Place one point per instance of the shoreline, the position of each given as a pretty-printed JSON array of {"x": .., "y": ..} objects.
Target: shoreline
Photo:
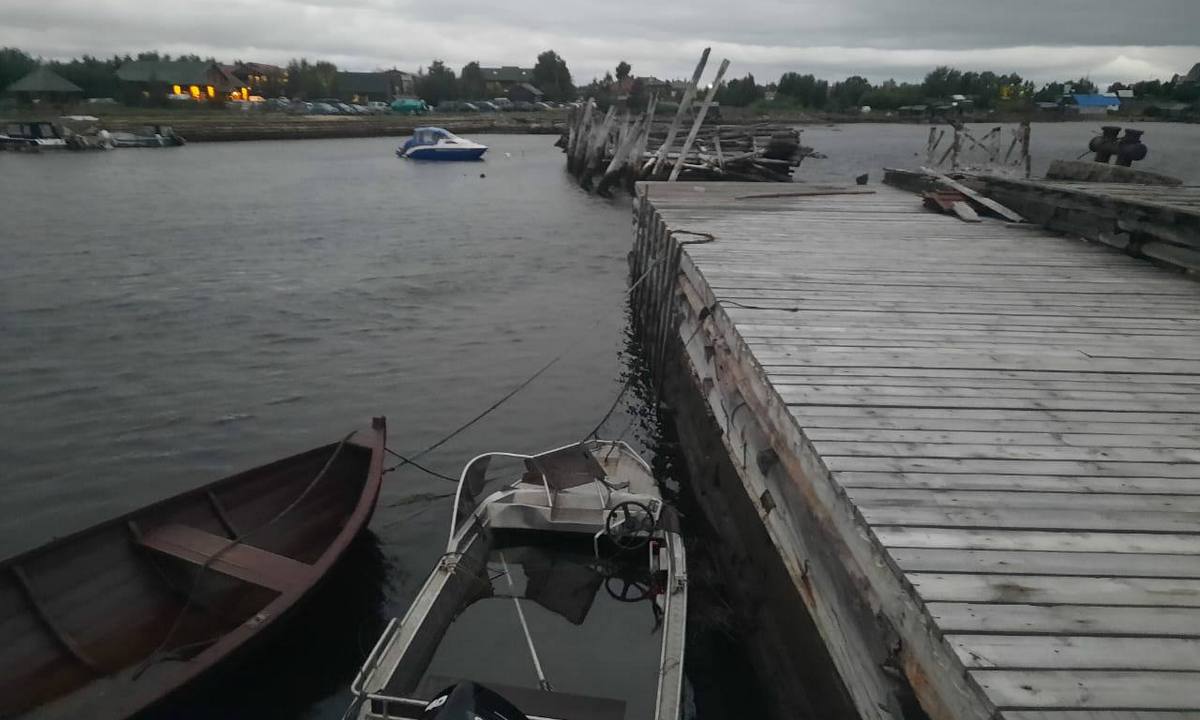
[{"x": 203, "y": 127}]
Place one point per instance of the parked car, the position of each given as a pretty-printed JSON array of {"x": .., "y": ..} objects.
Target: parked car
[
  {"x": 543, "y": 106},
  {"x": 409, "y": 106},
  {"x": 520, "y": 106},
  {"x": 378, "y": 106},
  {"x": 455, "y": 106},
  {"x": 502, "y": 103},
  {"x": 322, "y": 108},
  {"x": 485, "y": 106}
]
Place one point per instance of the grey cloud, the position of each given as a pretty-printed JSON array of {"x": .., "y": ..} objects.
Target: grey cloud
[{"x": 1041, "y": 39}]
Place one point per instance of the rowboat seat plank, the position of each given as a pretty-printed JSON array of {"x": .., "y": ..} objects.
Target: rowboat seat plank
[{"x": 242, "y": 561}]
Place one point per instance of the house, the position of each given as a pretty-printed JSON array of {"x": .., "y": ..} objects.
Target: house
[
  {"x": 201, "y": 81},
  {"x": 525, "y": 92},
  {"x": 263, "y": 79},
  {"x": 499, "y": 80},
  {"x": 654, "y": 86},
  {"x": 364, "y": 87},
  {"x": 1092, "y": 104},
  {"x": 45, "y": 85}
]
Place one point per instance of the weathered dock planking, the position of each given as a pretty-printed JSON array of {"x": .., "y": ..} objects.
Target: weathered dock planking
[
  {"x": 975, "y": 447},
  {"x": 1159, "y": 223}
]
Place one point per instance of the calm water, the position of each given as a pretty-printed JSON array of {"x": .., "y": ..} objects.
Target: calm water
[{"x": 170, "y": 316}]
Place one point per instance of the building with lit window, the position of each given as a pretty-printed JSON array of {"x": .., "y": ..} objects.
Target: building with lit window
[{"x": 155, "y": 81}]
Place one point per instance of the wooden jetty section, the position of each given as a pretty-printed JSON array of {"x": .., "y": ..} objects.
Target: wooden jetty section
[
  {"x": 1159, "y": 223},
  {"x": 624, "y": 151},
  {"x": 975, "y": 447}
]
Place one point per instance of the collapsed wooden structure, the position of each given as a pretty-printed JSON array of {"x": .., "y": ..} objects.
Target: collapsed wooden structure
[{"x": 604, "y": 151}]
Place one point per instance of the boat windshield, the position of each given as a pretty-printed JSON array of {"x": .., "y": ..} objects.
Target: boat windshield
[
  {"x": 556, "y": 470},
  {"x": 431, "y": 136}
]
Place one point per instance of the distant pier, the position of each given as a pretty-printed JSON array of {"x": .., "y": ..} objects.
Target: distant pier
[{"x": 973, "y": 449}]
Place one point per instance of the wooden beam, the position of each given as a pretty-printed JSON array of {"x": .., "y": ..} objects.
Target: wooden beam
[
  {"x": 976, "y": 197},
  {"x": 691, "y": 138},
  {"x": 64, "y": 639},
  {"x": 685, "y": 103}
]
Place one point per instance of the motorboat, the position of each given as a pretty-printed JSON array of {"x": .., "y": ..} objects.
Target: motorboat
[
  {"x": 33, "y": 137},
  {"x": 115, "y": 619},
  {"x": 561, "y": 595},
  {"x": 151, "y": 136},
  {"x": 431, "y": 143}
]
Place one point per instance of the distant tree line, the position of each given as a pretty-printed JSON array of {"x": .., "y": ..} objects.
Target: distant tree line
[
  {"x": 305, "y": 78},
  {"x": 987, "y": 90},
  {"x": 438, "y": 83}
]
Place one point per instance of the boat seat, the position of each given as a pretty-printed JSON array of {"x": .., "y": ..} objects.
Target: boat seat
[{"x": 242, "y": 561}]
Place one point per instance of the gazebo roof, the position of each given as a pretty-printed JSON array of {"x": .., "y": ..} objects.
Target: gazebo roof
[{"x": 44, "y": 80}]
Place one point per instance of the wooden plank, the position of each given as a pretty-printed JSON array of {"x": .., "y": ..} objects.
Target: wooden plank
[
  {"x": 1012, "y": 467},
  {"x": 685, "y": 103},
  {"x": 964, "y": 212},
  {"x": 1000, "y": 419},
  {"x": 1100, "y": 715},
  {"x": 1019, "y": 483},
  {"x": 241, "y": 561},
  {"x": 1007, "y": 499},
  {"x": 1085, "y": 652},
  {"x": 1021, "y": 439},
  {"x": 1100, "y": 689},
  {"x": 1052, "y": 540},
  {"x": 1098, "y": 620},
  {"x": 64, "y": 639},
  {"x": 1023, "y": 518},
  {"x": 1006, "y": 451},
  {"x": 1009, "y": 562},
  {"x": 1039, "y": 589},
  {"x": 691, "y": 138}
]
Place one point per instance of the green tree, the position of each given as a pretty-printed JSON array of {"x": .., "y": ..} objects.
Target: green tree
[
  {"x": 739, "y": 92},
  {"x": 942, "y": 82},
  {"x": 470, "y": 81},
  {"x": 14, "y": 65},
  {"x": 551, "y": 76},
  {"x": 623, "y": 70},
  {"x": 311, "y": 80},
  {"x": 438, "y": 84},
  {"x": 800, "y": 88},
  {"x": 849, "y": 93}
]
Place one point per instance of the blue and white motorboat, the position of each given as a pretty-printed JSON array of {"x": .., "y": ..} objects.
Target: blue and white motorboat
[{"x": 431, "y": 143}]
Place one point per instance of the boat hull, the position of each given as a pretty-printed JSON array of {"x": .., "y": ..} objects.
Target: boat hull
[
  {"x": 112, "y": 620},
  {"x": 449, "y": 154}
]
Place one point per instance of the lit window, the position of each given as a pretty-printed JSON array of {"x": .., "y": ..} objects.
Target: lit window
[
  {"x": 194, "y": 91},
  {"x": 211, "y": 91},
  {"x": 178, "y": 90}
]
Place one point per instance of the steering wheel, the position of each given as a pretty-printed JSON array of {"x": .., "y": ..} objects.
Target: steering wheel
[
  {"x": 629, "y": 525},
  {"x": 631, "y": 591}
]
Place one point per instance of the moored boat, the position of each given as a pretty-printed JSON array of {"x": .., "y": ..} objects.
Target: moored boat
[
  {"x": 32, "y": 137},
  {"x": 151, "y": 136},
  {"x": 111, "y": 620},
  {"x": 562, "y": 595},
  {"x": 431, "y": 143}
]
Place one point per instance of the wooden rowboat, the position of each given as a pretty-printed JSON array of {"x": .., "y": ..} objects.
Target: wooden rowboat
[{"x": 113, "y": 619}]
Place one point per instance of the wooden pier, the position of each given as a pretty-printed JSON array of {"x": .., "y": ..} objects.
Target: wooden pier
[
  {"x": 1160, "y": 223},
  {"x": 975, "y": 447}
]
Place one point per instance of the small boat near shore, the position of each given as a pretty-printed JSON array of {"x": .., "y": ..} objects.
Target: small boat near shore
[
  {"x": 151, "y": 136},
  {"x": 33, "y": 137},
  {"x": 431, "y": 143},
  {"x": 109, "y": 621},
  {"x": 562, "y": 595}
]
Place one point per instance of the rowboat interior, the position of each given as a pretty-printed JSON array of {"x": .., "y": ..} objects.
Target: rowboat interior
[{"x": 112, "y": 619}]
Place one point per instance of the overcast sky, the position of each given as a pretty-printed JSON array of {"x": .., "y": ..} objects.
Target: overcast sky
[{"x": 1040, "y": 39}]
